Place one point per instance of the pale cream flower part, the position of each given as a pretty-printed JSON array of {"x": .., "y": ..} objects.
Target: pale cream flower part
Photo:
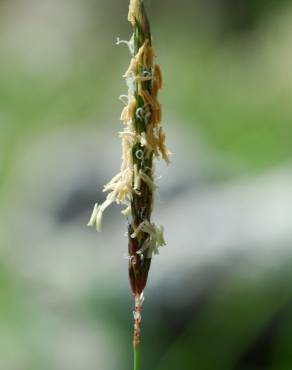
[
  {"x": 133, "y": 10},
  {"x": 155, "y": 239},
  {"x": 96, "y": 218}
]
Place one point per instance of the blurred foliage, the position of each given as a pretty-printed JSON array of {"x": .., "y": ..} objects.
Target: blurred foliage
[
  {"x": 239, "y": 325},
  {"x": 227, "y": 76},
  {"x": 236, "y": 89}
]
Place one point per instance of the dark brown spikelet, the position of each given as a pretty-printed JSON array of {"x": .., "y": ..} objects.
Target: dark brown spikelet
[{"x": 138, "y": 266}]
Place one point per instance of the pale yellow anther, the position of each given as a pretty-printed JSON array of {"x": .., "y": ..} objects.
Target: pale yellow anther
[{"x": 133, "y": 11}]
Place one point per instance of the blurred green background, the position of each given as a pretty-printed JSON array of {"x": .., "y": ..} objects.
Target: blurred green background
[{"x": 219, "y": 296}]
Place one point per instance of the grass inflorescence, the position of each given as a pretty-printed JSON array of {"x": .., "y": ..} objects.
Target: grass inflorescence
[{"x": 143, "y": 140}]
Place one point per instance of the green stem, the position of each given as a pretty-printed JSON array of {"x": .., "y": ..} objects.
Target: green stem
[{"x": 136, "y": 358}]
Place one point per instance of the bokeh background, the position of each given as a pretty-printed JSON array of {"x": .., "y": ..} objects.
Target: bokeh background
[{"x": 219, "y": 296}]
